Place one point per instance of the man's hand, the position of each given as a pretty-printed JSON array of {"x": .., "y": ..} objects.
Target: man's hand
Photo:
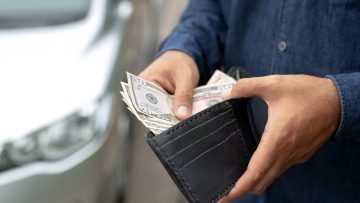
[
  {"x": 304, "y": 112},
  {"x": 178, "y": 74}
]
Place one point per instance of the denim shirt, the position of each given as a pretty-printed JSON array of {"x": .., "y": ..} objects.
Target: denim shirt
[{"x": 314, "y": 37}]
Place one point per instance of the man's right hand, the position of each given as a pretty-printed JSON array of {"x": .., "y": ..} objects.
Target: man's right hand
[{"x": 178, "y": 74}]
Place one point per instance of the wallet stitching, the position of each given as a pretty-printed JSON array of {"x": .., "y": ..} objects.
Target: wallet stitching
[
  {"x": 244, "y": 145},
  {"x": 242, "y": 139},
  {"x": 223, "y": 192},
  {"x": 221, "y": 127},
  {"x": 231, "y": 185},
  {"x": 215, "y": 146},
  {"x": 182, "y": 178},
  {"x": 182, "y": 135},
  {"x": 196, "y": 117}
]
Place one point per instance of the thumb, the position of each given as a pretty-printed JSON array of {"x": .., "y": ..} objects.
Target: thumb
[
  {"x": 183, "y": 99},
  {"x": 248, "y": 87}
]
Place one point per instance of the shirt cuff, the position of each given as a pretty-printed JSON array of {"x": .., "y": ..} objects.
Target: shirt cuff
[{"x": 348, "y": 86}]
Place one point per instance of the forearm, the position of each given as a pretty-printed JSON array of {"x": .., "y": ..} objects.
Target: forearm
[{"x": 348, "y": 86}]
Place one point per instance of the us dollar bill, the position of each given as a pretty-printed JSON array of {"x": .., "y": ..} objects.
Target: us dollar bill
[
  {"x": 139, "y": 115},
  {"x": 220, "y": 78},
  {"x": 209, "y": 95},
  {"x": 150, "y": 99},
  {"x": 153, "y": 106},
  {"x": 154, "y": 124}
]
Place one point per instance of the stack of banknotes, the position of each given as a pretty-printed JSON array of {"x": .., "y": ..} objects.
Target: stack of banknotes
[{"x": 153, "y": 106}]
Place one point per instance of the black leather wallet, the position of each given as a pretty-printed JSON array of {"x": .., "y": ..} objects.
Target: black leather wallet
[{"x": 207, "y": 153}]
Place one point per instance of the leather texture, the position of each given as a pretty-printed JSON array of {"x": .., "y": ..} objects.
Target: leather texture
[{"x": 207, "y": 153}]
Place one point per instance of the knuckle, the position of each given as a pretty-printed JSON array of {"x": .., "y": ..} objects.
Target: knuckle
[
  {"x": 303, "y": 158},
  {"x": 183, "y": 95},
  {"x": 241, "y": 85},
  {"x": 182, "y": 72},
  {"x": 258, "y": 190},
  {"x": 160, "y": 80},
  {"x": 262, "y": 190},
  {"x": 258, "y": 175},
  {"x": 273, "y": 81},
  {"x": 263, "y": 185},
  {"x": 276, "y": 78},
  {"x": 288, "y": 142}
]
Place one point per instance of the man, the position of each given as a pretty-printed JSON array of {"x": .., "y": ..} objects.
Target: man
[{"x": 310, "y": 150}]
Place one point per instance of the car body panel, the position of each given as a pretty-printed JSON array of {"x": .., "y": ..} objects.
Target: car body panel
[
  {"x": 62, "y": 66},
  {"x": 48, "y": 73}
]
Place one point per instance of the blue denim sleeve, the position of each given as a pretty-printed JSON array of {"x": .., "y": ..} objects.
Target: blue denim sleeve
[
  {"x": 200, "y": 34},
  {"x": 348, "y": 86}
]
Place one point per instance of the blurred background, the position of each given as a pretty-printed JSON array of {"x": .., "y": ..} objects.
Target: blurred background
[{"x": 66, "y": 136}]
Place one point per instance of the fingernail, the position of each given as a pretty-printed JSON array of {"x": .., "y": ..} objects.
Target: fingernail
[
  {"x": 183, "y": 110},
  {"x": 226, "y": 94}
]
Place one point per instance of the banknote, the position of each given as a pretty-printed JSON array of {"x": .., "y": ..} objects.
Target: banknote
[
  {"x": 208, "y": 95},
  {"x": 220, "y": 78},
  {"x": 148, "y": 122},
  {"x": 144, "y": 117},
  {"x": 150, "y": 99},
  {"x": 153, "y": 106},
  {"x": 155, "y": 125}
]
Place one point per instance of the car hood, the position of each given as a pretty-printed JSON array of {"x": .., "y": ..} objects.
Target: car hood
[{"x": 47, "y": 74}]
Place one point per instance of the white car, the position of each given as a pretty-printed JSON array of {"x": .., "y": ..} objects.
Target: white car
[{"x": 63, "y": 131}]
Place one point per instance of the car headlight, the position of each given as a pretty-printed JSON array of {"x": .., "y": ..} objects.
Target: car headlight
[{"x": 59, "y": 139}]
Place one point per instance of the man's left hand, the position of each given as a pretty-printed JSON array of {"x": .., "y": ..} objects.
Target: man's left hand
[{"x": 303, "y": 113}]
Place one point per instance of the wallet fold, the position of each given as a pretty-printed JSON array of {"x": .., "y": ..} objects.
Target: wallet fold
[{"x": 207, "y": 153}]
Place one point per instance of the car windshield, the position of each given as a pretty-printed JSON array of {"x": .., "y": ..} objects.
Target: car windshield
[{"x": 30, "y": 13}]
